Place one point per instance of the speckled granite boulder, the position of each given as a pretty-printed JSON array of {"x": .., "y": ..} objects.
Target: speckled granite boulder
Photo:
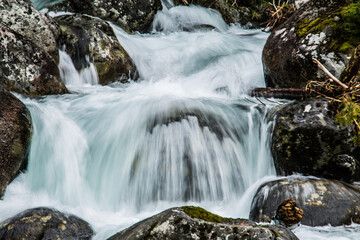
[
  {"x": 323, "y": 201},
  {"x": 84, "y": 36},
  {"x": 26, "y": 68},
  {"x": 326, "y": 30},
  {"x": 15, "y": 135},
  {"x": 131, "y": 15},
  {"x": 196, "y": 223},
  {"x": 22, "y": 17},
  {"x": 307, "y": 140},
  {"x": 45, "y": 223}
]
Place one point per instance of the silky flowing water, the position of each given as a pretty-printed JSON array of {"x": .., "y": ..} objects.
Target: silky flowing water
[{"x": 185, "y": 133}]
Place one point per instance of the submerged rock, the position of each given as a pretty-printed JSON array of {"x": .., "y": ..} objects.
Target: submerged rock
[
  {"x": 307, "y": 140},
  {"x": 131, "y": 15},
  {"x": 196, "y": 223},
  {"x": 26, "y": 68},
  {"x": 21, "y": 17},
  {"x": 323, "y": 201},
  {"x": 45, "y": 223},
  {"x": 326, "y": 30},
  {"x": 86, "y": 37},
  {"x": 15, "y": 136}
]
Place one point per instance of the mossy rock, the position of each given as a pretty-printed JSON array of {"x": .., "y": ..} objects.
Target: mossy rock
[
  {"x": 86, "y": 38},
  {"x": 197, "y": 223},
  {"x": 327, "y": 30},
  {"x": 307, "y": 140}
]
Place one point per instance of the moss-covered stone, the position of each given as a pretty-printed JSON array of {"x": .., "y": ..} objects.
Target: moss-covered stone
[
  {"x": 176, "y": 223},
  {"x": 343, "y": 24},
  {"x": 307, "y": 140},
  {"x": 326, "y": 30},
  {"x": 200, "y": 213}
]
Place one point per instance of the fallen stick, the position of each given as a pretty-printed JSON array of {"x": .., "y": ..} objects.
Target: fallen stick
[
  {"x": 332, "y": 77},
  {"x": 284, "y": 93}
]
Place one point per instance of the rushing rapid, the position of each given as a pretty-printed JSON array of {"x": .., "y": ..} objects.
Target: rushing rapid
[{"x": 185, "y": 133}]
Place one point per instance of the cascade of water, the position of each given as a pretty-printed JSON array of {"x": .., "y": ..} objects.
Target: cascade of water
[
  {"x": 185, "y": 133},
  {"x": 71, "y": 77}
]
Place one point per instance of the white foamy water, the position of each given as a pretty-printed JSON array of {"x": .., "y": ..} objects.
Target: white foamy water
[{"x": 186, "y": 133}]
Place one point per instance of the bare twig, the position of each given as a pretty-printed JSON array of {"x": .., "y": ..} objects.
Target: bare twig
[
  {"x": 260, "y": 101},
  {"x": 185, "y": 2},
  {"x": 332, "y": 77}
]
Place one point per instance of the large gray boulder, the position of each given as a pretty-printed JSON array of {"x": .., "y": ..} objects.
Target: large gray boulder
[
  {"x": 21, "y": 17},
  {"x": 307, "y": 140},
  {"x": 84, "y": 36},
  {"x": 323, "y": 201},
  {"x": 131, "y": 15},
  {"x": 15, "y": 136},
  {"x": 45, "y": 223},
  {"x": 326, "y": 30},
  {"x": 25, "y": 67},
  {"x": 196, "y": 223}
]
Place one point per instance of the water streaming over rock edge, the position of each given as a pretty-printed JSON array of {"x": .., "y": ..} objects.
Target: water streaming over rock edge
[{"x": 186, "y": 133}]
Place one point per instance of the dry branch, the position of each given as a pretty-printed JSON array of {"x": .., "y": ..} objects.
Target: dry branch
[{"x": 332, "y": 77}]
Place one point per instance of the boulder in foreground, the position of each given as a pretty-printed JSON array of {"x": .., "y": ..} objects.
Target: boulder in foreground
[
  {"x": 45, "y": 223},
  {"x": 197, "y": 223}
]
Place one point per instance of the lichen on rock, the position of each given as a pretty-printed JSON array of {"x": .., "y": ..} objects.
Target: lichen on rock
[
  {"x": 176, "y": 223},
  {"x": 323, "y": 201},
  {"x": 325, "y": 30}
]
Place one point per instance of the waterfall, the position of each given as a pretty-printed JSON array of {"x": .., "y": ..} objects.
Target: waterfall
[{"x": 185, "y": 133}]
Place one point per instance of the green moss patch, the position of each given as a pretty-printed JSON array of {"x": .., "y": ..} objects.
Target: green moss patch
[
  {"x": 200, "y": 213},
  {"x": 343, "y": 23}
]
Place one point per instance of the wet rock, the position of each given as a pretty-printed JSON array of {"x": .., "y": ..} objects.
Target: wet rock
[
  {"x": 131, "y": 15},
  {"x": 21, "y": 17},
  {"x": 45, "y": 223},
  {"x": 86, "y": 37},
  {"x": 15, "y": 135},
  {"x": 25, "y": 67},
  {"x": 326, "y": 30},
  {"x": 288, "y": 214},
  {"x": 307, "y": 140},
  {"x": 323, "y": 201},
  {"x": 196, "y": 223}
]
